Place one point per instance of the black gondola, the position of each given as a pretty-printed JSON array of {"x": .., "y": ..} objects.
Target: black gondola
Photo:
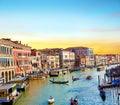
[
  {"x": 75, "y": 79},
  {"x": 74, "y": 101},
  {"x": 59, "y": 82},
  {"x": 102, "y": 93},
  {"x": 103, "y": 96}
]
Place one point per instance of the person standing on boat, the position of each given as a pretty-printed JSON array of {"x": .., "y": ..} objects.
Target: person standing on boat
[
  {"x": 75, "y": 101},
  {"x": 51, "y": 97},
  {"x": 101, "y": 90},
  {"x": 71, "y": 101}
]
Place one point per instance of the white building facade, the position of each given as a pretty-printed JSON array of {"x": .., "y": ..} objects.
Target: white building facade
[
  {"x": 7, "y": 71},
  {"x": 67, "y": 59}
]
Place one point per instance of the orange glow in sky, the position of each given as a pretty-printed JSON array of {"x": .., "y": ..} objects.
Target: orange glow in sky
[{"x": 99, "y": 48}]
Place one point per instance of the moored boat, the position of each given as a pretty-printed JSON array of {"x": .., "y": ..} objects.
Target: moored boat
[
  {"x": 51, "y": 100},
  {"x": 100, "y": 68},
  {"x": 8, "y": 94},
  {"x": 102, "y": 93},
  {"x": 21, "y": 82}
]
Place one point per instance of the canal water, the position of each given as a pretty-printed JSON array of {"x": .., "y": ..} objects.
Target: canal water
[{"x": 86, "y": 90}]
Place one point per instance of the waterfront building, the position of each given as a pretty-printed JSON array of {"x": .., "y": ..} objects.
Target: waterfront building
[
  {"x": 81, "y": 50},
  {"x": 36, "y": 63},
  {"x": 81, "y": 61},
  {"x": 57, "y": 60},
  {"x": 44, "y": 63},
  {"x": 22, "y": 54},
  {"x": 118, "y": 58},
  {"x": 6, "y": 61},
  {"x": 111, "y": 59},
  {"x": 36, "y": 60},
  {"x": 51, "y": 51},
  {"x": 83, "y": 56},
  {"x": 90, "y": 61},
  {"x": 67, "y": 59},
  {"x": 22, "y": 59},
  {"x": 100, "y": 60},
  {"x": 53, "y": 61}
]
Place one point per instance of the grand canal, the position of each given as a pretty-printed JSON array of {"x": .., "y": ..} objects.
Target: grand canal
[{"x": 86, "y": 90}]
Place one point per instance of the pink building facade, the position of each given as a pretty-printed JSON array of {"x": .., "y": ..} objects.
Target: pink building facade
[{"x": 22, "y": 62}]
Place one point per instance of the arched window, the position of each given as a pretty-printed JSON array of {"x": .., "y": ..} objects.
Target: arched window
[
  {"x": 6, "y": 76},
  {"x": 9, "y": 75}
]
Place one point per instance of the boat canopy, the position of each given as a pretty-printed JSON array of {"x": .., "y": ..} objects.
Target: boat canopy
[
  {"x": 7, "y": 86},
  {"x": 18, "y": 79},
  {"x": 115, "y": 82}
]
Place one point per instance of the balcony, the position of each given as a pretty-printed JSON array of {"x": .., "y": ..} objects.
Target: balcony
[{"x": 22, "y": 56}]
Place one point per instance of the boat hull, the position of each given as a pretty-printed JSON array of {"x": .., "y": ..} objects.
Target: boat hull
[
  {"x": 59, "y": 82},
  {"x": 103, "y": 96},
  {"x": 50, "y": 101}
]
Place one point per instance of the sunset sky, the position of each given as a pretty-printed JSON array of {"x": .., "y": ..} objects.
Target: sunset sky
[{"x": 62, "y": 23}]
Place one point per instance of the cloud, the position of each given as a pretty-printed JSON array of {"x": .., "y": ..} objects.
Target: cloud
[{"x": 101, "y": 30}]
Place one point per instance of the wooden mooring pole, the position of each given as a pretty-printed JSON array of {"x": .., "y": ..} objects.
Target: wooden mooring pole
[{"x": 98, "y": 80}]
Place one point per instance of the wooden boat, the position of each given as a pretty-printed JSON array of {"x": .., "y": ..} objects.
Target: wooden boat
[
  {"x": 102, "y": 94},
  {"x": 59, "y": 82},
  {"x": 75, "y": 79},
  {"x": 74, "y": 101},
  {"x": 87, "y": 69},
  {"x": 21, "y": 82},
  {"x": 51, "y": 100},
  {"x": 8, "y": 94},
  {"x": 106, "y": 85},
  {"x": 100, "y": 68},
  {"x": 88, "y": 77}
]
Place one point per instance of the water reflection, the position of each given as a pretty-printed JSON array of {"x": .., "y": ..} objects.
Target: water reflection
[
  {"x": 51, "y": 104},
  {"x": 86, "y": 91}
]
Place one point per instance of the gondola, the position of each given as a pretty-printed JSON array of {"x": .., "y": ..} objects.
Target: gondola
[
  {"x": 103, "y": 96},
  {"x": 75, "y": 79},
  {"x": 59, "y": 82},
  {"x": 89, "y": 77},
  {"x": 102, "y": 93},
  {"x": 74, "y": 101}
]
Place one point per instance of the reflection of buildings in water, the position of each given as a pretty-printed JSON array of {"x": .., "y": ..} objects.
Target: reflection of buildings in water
[{"x": 36, "y": 85}]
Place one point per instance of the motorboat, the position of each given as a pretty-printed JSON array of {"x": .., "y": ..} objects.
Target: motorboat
[
  {"x": 51, "y": 100},
  {"x": 88, "y": 77}
]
